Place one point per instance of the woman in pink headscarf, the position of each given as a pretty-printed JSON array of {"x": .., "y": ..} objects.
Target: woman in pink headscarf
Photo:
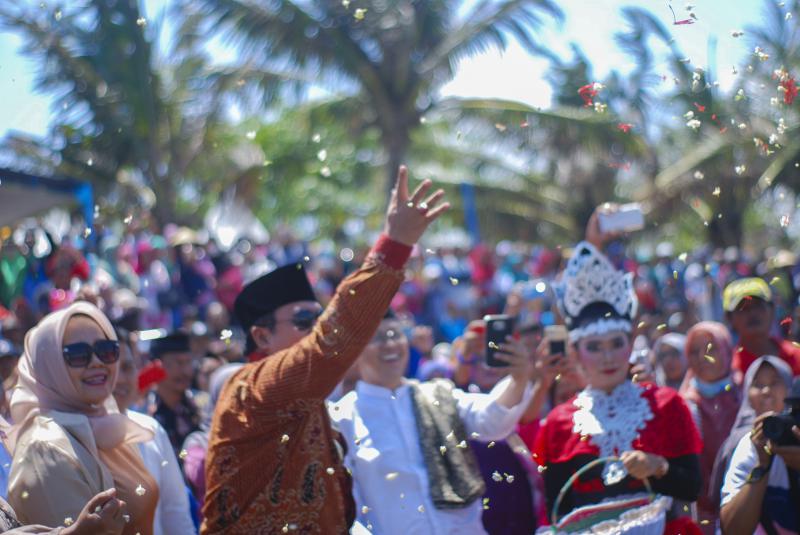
[
  {"x": 713, "y": 399},
  {"x": 70, "y": 441}
]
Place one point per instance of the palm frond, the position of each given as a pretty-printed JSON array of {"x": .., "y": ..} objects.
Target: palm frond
[{"x": 488, "y": 26}]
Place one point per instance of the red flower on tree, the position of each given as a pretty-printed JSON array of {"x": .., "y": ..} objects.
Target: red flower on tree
[
  {"x": 789, "y": 90},
  {"x": 587, "y": 93},
  {"x": 625, "y": 127}
]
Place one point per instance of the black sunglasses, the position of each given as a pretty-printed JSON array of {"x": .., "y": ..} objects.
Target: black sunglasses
[
  {"x": 304, "y": 319},
  {"x": 79, "y": 355}
]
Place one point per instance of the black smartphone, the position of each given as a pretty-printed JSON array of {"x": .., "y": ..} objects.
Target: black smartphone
[
  {"x": 557, "y": 336},
  {"x": 498, "y": 327}
]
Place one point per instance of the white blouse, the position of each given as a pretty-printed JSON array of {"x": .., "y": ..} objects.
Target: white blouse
[{"x": 172, "y": 513}]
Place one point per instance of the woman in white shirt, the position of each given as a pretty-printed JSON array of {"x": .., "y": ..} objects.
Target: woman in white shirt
[
  {"x": 758, "y": 495},
  {"x": 172, "y": 513}
]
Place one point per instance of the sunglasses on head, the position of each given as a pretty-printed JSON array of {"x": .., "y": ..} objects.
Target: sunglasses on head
[{"x": 79, "y": 354}]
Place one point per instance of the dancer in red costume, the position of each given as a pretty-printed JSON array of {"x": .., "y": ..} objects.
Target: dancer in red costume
[{"x": 649, "y": 428}]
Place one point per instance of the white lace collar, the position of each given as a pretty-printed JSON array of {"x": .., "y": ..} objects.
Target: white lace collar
[{"x": 612, "y": 421}]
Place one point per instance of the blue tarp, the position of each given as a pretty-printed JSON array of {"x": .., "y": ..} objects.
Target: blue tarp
[{"x": 23, "y": 195}]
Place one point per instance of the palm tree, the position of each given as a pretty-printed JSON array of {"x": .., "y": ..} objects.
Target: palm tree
[
  {"x": 125, "y": 115},
  {"x": 394, "y": 56},
  {"x": 713, "y": 170}
]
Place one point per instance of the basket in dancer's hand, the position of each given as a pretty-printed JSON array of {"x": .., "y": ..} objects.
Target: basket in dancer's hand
[{"x": 640, "y": 514}]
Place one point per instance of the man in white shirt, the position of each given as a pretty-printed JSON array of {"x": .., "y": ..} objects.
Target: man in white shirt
[{"x": 413, "y": 471}]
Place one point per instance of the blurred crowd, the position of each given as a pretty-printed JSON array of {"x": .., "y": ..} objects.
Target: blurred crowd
[{"x": 169, "y": 297}]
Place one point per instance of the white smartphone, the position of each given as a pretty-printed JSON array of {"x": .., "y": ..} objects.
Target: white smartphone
[{"x": 628, "y": 218}]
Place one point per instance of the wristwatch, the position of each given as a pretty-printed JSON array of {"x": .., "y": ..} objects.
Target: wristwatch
[{"x": 758, "y": 473}]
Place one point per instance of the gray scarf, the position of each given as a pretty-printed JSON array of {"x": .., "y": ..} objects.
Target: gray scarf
[{"x": 454, "y": 476}]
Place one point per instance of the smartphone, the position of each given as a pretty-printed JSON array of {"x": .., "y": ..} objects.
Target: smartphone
[
  {"x": 628, "y": 218},
  {"x": 556, "y": 336},
  {"x": 498, "y": 327}
]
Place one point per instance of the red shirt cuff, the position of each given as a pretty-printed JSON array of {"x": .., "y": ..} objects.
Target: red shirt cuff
[{"x": 393, "y": 253}]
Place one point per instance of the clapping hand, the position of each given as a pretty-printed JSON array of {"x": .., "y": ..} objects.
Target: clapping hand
[{"x": 103, "y": 515}]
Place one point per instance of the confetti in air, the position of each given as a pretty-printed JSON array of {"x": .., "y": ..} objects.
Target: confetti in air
[
  {"x": 588, "y": 92},
  {"x": 676, "y": 22}
]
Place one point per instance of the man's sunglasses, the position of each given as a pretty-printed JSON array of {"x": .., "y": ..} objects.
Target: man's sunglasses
[
  {"x": 79, "y": 355},
  {"x": 304, "y": 319}
]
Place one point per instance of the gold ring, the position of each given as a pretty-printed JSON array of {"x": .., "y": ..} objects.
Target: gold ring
[{"x": 767, "y": 449}]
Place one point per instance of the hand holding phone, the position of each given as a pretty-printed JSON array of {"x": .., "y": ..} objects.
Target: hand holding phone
[
  {"x": 627, "y": 218},
  {"x": 556, "y": 336},
  {"x": 498, "y": 327}
]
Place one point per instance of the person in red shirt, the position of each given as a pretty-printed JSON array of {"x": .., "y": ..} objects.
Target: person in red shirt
[{"x": 750, "y": 312}]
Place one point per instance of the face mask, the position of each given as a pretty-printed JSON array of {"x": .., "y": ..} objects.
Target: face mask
[{"x": 709, "y": 390}]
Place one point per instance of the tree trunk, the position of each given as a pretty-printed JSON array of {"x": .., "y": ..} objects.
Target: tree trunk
[{"x": 396, "y": 144}]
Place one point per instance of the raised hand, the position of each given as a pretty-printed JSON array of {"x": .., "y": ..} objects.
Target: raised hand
[{"x": 409, "y": 215}]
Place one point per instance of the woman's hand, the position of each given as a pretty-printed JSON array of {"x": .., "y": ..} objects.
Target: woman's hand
[
  {"x": 642, "y": 373},
  {"x": 760, "y": 442},
  {"x": 642, "y": 465},
  {"x": 546, "y": 366},
  {"x": 103, "y": 515},
  {"x": 790, "y": 454}
]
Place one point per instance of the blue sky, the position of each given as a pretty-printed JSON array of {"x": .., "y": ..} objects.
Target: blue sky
[{"x": 510, "y": 75}]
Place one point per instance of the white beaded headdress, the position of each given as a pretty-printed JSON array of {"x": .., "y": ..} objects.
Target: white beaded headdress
[{"x": 593, "y": 296}]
